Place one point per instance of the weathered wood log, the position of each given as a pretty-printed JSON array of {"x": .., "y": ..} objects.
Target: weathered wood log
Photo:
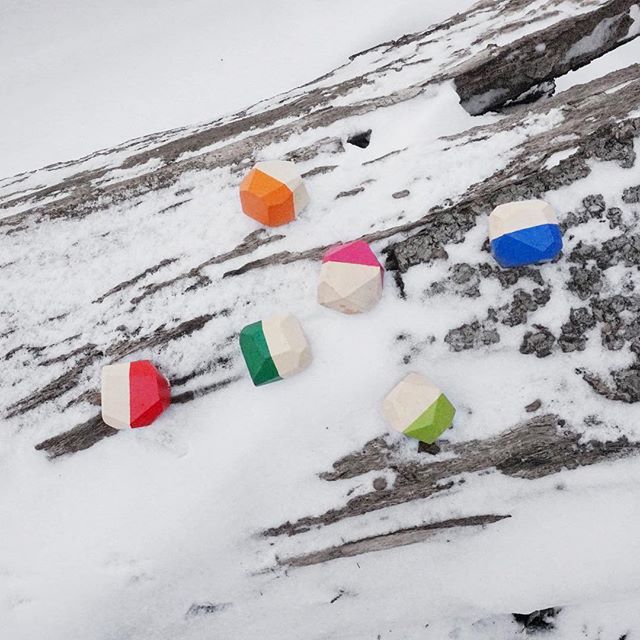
[
  {"x": 401, "y": 538},
  {"x": 311, "y": 107},
  {"x": 526, "y": 176},
  {"x": 93, "y": 430},
  {"x": 590, "y": 122},
  {"x": 502, "y": 74},
  {"x": 538, "y": 448},
  {"x": 133, "y": 253}
]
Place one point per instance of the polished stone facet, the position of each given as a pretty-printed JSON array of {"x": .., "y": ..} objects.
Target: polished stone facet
[
  {"x": 274, "y": 348},
  {"x": 350, "y": 278},
  {"x": 417, "y": 408},
  {"x": 273, "y": 193},
  {"x": 524, "y": 233},
  {"x": 133, "y": 394}
]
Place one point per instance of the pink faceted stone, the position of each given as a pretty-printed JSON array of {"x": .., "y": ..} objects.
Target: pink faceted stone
[{"x": 357, "y": 252}]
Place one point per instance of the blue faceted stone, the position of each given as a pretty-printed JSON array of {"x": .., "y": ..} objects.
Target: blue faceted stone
[{"x": 527, "y": 246}]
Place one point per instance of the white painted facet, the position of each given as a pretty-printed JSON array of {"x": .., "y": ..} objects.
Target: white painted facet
[
  {"x": 282, "y": 170},
  {"x": 513, "y": 216},
  {"x": 349, "y": 288},
  {"x": 287, "y": 173},
  {"x": 115, "y": 395},
  {"x": 300, "y": 197},
  {"x": 287, "y": 344},
  {"x": 410, "y": 398}
]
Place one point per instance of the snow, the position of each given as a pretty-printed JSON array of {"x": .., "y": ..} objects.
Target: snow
[
  {"x": 121, "y": 540},
  {"x": 556, "y": 158},
  {"x": 112, "y": 576},
  {"x": 87, "y": 75}
]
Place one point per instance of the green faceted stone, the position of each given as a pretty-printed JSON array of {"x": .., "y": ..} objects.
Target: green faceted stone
[
  {"x": 430, "y": 425},
  {"x": 256, "y": 354}
]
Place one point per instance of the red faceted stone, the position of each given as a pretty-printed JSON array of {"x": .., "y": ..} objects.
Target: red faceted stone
[{"x": 149, "y": 393}]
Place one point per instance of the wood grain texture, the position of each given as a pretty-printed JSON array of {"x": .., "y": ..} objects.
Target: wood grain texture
[{"x": 538, "y": 448}]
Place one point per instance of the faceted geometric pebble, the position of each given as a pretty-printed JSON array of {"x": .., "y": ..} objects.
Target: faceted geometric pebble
[
  {"x": 350, "y": 278},
  {"x": 417, "y": 408},
  {"x": 133, "y": 394},
  {"x": 523, "y": 233},
  {"x": 273, "y": 193},
  {"x": 275, "y": 348}
]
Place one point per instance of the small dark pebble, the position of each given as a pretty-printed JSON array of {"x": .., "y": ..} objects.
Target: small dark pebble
[
  {"x": 432, "y": 449},
  {"x": 380, "y": 484},
  {"x": 541, "y": 620},
  {"x": 205, "y": 608},
  {"x": 352, "y": 192},
  {"x": 534, "y": 406}
]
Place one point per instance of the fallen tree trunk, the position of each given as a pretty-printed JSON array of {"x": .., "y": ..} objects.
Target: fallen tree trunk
[
  {"x": 176, "y": 298},
  {"x": 598, "y": 125},
  {"x": 133, "y": 252},
  {"x": 499, "y": 75},
  {"x": 538, "y": 448}
]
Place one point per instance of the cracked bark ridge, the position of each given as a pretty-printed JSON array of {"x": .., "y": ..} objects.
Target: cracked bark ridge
[
  {"x": 537, "y": 448},
  {"x": 399, "y": 538},
  {"x": 515, "y": 71},
  {"x": 539, "y": 342},
  {"x": 81, "y": 437},
  {"x": 471, "y": 336},
  {"x": 624, "y": 385}
]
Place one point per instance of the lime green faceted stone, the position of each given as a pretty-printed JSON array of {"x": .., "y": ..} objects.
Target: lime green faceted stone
[
  {"x": 256, "y": 354},
  {"x": 428, "y": 426}
]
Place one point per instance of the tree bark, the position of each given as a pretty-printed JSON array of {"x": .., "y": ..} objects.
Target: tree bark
[{"x": 592, "y": 123}]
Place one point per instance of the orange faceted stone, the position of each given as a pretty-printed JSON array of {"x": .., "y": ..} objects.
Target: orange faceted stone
[
  {"x": 266, "y": 199},
  {"x": 273, "y": 192}
]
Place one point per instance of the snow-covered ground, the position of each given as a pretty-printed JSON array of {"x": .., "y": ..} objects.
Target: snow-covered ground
[
  {"x": 121, "y": 541},
  {"x": 79, "y": 76}
]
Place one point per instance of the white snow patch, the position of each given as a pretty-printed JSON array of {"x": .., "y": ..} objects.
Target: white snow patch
[
  {"x": 80, "y": 76},
  {"x": 556, "y": 158},
  {"x": 594, "y": 40}
]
